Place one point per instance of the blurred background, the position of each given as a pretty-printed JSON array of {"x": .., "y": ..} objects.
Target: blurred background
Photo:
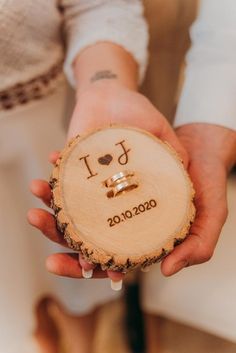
[{"x": 121, "y": 326}]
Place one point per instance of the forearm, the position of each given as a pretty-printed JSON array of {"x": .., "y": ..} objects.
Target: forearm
[{"x": 105, "y": 62}]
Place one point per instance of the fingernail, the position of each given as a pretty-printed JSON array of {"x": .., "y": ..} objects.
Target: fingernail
[
  {"x": 87, "y": 274},
  {"x": 145, "y": 269},
  {"x": 116, "y": 285}
]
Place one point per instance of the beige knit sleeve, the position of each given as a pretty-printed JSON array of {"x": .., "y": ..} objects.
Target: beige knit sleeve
[{"x": 87, "y": 22}]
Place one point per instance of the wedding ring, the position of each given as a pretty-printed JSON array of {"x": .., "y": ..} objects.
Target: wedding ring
[
  {"x": 120, "y": 182},
  {"x": 118, "y": 177},
  {"x": 126, "y": 185}
]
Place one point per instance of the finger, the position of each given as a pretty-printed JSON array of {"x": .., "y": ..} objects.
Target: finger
[
  {"x": 42, "y": 190},
  {"x": 67, "y": 265},
  {"x": 115, "y": 275},
  {"x": 85, "y": 264},
  {"x": 160, "y": 127},
  {"x": 209, "y": 179},
  {"x": 116, "y": 279},
  {"x": 168, "y": 135},
  {"x": 53, "y": 156},
  {"x": 87, "y": 268},
  {"x": 45, "y": 222},
  {"x": 200, "y": 244}
]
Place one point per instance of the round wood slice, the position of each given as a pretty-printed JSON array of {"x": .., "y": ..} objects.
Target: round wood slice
[{"x": 122, "y": 197}]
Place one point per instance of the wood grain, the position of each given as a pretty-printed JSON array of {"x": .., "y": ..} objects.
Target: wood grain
[{"x": 136, "y": 227}]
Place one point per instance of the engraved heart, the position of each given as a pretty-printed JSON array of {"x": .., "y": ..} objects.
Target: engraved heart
[{"x": 105, "y": 160}]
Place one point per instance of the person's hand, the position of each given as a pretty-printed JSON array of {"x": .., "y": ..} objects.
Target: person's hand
[
  {"x": 212, "y": 153},
  {"x": 104, "y": 103}
]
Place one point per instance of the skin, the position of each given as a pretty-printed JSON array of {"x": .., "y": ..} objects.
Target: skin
[
  {"x": 208, "y": 151},
  {"x": 212, "y": 153},
  {"x": 113, "y": 101}
]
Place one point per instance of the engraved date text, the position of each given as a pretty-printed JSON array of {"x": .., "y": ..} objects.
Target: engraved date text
[{"x": 135, "y": 211}]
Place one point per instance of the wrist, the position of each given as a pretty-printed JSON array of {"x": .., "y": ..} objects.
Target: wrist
[
  {"x": 108, "y": 63},
  {"x": 105, "y": 86},
  {"x": 209, "y": 143}
]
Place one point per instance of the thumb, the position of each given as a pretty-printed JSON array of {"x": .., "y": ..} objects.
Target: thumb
[{"x": 167, "y": 134}]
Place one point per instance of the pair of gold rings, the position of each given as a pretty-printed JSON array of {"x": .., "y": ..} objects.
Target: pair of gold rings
[{"x": 120, "y": 182}]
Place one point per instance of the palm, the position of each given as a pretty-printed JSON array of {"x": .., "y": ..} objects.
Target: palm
[
  {"x": 208, "y": 171},
  {"x": 95, "y": 109}
]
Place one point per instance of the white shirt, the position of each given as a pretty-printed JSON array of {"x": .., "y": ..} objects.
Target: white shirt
[{"x": 209, "y": 91}]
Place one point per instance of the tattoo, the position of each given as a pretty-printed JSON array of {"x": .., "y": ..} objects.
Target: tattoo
[{"x": 103, "y": 75}]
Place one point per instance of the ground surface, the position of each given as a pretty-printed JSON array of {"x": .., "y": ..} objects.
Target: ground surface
[{"x": 177, "y": 338}]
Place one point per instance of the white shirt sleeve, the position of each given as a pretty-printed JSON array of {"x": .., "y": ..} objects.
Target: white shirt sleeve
[
  {"x": 209, "y": 91},
  {"x": 87, "y": 22}
]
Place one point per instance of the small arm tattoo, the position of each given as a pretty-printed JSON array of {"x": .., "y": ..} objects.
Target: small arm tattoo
[{"x": 103, "y": 75}]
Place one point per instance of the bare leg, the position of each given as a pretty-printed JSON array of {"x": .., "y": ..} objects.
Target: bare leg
[
  {"x": 58, "y": 330},
  {"x": 46, "y": 332},
  {"x": 153, "y": 331},
  {"x": 76, "y": 332}
]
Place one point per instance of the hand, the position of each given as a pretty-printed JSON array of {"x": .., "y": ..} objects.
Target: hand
[
  {"x": 107, "y": 103},
  {"x": 212, "y": 152},
  {"x": 102, "y": 104}
]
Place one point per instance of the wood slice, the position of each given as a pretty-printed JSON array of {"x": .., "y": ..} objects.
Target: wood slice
[{"x": 122, "y": 197}]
